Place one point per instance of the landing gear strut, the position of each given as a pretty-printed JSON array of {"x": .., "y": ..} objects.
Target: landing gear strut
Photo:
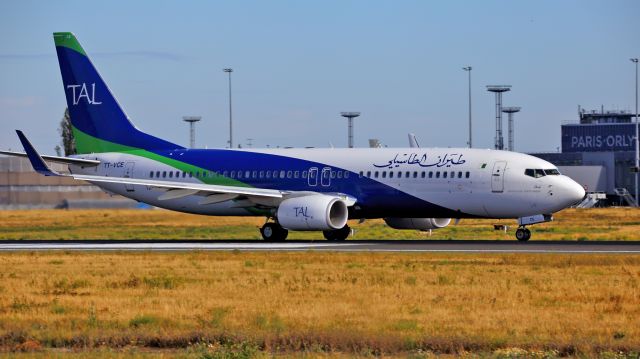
[
  {"x": 273, "y": 232},
  {"x": 337, "y": 234},
  {"x": 523, "y": 234}
]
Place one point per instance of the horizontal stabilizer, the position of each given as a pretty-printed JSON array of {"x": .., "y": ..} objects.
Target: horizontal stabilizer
[{"x": 64, "y": 160}]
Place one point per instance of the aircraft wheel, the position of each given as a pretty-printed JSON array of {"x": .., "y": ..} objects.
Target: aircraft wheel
[
  {"x": 337, "y": 234},
  {"x": 273, "y": 232},
  {"x": 523, "y": 234}
]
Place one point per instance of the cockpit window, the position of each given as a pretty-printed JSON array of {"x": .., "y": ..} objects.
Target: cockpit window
[
  {"x": 535, "y": 173},
  {"x": 552, "y": 172}
]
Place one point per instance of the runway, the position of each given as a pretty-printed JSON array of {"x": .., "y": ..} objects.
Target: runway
[{"x": 453, "y": 246}]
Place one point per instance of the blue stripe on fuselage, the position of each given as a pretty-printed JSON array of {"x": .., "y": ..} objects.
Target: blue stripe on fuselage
[{"x": 374, "y": 198}]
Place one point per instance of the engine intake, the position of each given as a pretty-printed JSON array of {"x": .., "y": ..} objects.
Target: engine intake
[
  {"x": 417, "y": 223},
  {"x": 313, "y": 213}
]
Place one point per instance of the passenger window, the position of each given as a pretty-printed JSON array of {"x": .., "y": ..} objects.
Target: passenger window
[
  {"x": 460, "y": 174},
  {"x": 151, "y": 174},
  {"x": 233, "y": 174},
  {"x": 468, "y": 174},
  {"x": 268, "y": 174},
  {"x": 407, "y": 175},
  {"x": 261, "y": 174},
  {"x": 170, "y": 174},
  {"x": 444, "y": 174},
  {"x": 289, "y": 174},
  {"x": 184, "y": 174},
  {"x": 254, "y": 174},
  {"x": 437, "y": 174},
  {"x": 430, "y": 174},
  {"x": 164, "y": 174},
  {"x": 368, "y": 173},
  {"x": 339, "y": 174},
  {"x": 415, "y": 174},
  {"x": 239, "y": 174},
  {"x": 453, "y": 174},
  {"x": 304, "y": 174},
  {"x": 376, "y": 174},
  {"x": 346, "y": 174},
  {"x": 282, "y": 174},
  {"x": 384, "y": 174},
  {"x": 333, "y": 174},
  {"x": 360, "y": 174},
  {"x": 399, "y": 174},
  {"x": 296, "y": 174},
  {"x": 157, "y": 174},
  {"x": 190, "y": 174},
  {"x": 247, "y": 174},
  {"x": 390, "y": 174},
  {"x": 423, "y": 174}
]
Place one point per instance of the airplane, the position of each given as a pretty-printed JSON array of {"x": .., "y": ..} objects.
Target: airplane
[{"x": 310, "y": 189}]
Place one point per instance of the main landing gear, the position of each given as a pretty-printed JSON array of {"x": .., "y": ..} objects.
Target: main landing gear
[
  {"x": 337, "y": 234},
  {"x": 273, "y": 232},
  {"x": 523, "y": 234}
]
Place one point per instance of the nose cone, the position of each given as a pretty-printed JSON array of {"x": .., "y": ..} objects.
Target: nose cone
[{"x": 572, "y": 192}]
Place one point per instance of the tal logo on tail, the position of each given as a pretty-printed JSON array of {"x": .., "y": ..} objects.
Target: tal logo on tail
[{"x": 79, "y": 92}]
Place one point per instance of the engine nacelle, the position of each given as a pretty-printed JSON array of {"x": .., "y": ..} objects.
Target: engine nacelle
[
  {"x": 417, "y": 223},
  {"x": 313, "y": 213}
]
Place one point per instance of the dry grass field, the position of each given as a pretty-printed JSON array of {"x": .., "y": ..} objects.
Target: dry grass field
[
  {"x": 243, "y": 304},
  {"x": 570, "y": 224}
]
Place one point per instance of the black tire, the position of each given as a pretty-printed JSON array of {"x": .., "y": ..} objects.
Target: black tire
[
  {"x": 273, "y": 232},
  {"x": 527, "y": 234},
  {"x": 521, "y": 234},
  {"x": 337, "y": 234}
]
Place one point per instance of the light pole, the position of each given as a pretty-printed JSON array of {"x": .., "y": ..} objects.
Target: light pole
[
  {"x": 637, "y": 167},
  {"x": 229, "y": 71},
  {"x": 468, "y": 69}
]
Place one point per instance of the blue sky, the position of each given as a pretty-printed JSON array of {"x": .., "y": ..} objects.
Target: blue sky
[{"x": 297, "y": 64}]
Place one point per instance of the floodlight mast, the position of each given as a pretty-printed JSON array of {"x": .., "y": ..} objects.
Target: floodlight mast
[
  {"x": 192, "y": 128},
  {"x": 350, "y": 116},
  {"x": 468, "y": 69},
  {"x": 510, "y": 111},
  {"x": 498, "y": 90},
  {"x": 637, "y": 166},
  {"x": 229, "y": 71}
]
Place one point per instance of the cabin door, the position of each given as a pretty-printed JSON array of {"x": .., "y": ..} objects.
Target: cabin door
[
  {"x": 497, "y": 177},
  {"x": 128, "y": 173}
]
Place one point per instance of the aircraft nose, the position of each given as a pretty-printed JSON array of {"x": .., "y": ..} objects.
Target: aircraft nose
[{"x": 573, "y": 191}]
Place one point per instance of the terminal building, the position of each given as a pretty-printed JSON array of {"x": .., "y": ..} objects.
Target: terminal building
[{"x": 599, "y": 153}]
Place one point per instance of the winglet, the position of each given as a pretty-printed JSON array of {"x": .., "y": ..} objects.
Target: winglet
[{"x": 36, "y": 161}]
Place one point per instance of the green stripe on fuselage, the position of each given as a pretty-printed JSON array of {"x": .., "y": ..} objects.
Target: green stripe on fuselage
[
  {"x": 68, "y": 40},
  {"x": 86, "y": 143}
]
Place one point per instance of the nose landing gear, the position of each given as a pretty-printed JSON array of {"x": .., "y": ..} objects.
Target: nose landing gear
[{"x": 523, "y": 234}]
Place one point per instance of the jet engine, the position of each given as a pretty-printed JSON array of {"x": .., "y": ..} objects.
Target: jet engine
[
  {"x": 422, "y": 224},
  {"x": 313, "y": 213}
]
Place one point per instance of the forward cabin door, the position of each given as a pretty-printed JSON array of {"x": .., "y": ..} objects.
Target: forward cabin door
[
  {"x": 497, "y": 177},
  {"x": 128, "y": 173}
]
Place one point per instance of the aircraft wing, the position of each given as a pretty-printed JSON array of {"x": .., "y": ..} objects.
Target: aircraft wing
[{"x": 57, "y": 159}]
